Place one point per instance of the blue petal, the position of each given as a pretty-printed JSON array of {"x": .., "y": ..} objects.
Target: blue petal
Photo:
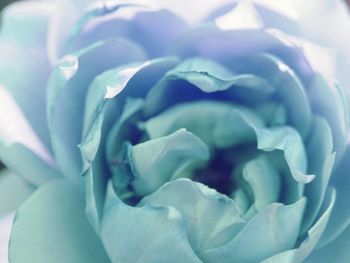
[
  {"x": 66, "y": 15},
  {"x": 229, "y": 126},
  {"x": 203, "y": 8},
  {"x": 218, "y": 124},
  {"x": 331, "y": 102},
  {"x": 120, "y": 131},
  {"x": 299, "y": 254},
  {"x": 264, "y": 181},
  {"x": 336, "y": 251},
  {"x": 319, "y": 148},
  {"x": 340, "y": 218},
  {"x": 101, "y": 113},
  {"x": 15, "y": 190},
  {"x": 67, "y": 92},
  {"x": 51, "y": 226},
  {"x": 289, "y": 88},
  {"x": 206, "y": 40},
  {"x": 242, "y": 16},
  {"x": 209, "y": 77},
  {"x": 26, "y": 71},
  {"x": 155, "y": 161},
  {"x": 271, "y": 231},
  {"x": 112, "y": 84},
  {"x": 211, "y": 219},
  {"x": 155, "y": 29},
  {"x": 147, "y": 234},
  {"x": 288, "y": 140}
]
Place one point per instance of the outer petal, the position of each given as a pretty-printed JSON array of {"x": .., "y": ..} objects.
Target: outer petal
[
  {"x": 52, "y": 227},
  {"x": 271, "y": 231},
  {"x": 203, "y": 8},
  {"x": 340, "y": 218},
  {"x": 154, "y": 29},
  {"x": 299, "y": 254},
  {"x": 13, "y": 192},
  {"x": 20, "y": 148},
  {"x": 319, "y": 148},
  {"x": 25, "y": 73},
  {"x": 336, "y": 251},
  {"x": 63, "y": 20}
]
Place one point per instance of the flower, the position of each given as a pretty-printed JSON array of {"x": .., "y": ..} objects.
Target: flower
[{"x": 159, "y": 132}]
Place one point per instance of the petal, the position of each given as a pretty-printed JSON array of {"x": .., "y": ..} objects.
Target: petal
[
  {"x": 67, "y": 92},
  {"x": 336, "y": 251},
  {"x": 271, "y": 231},
  {"x": 51, "y": 226},
  {"x": 62, "y": 21},
  {"x": 153, "y": 28},
  {"x": 104, "y": 100},
  {"x": 203, "y": 8},
  {"x": 26, "y": 71},
  {"x": 108, "y": 85},
  {"x": 206, "y": 40},
  {"x": 243, "y": 16},
  {"x": 20, "y": 147},
  {"x": 155, "y": 161},
  {"x": 319, "y": 149},
  {"x": 264, "y": 181},
  {"x": 282, "y": 15},
  {"x": 218, "y": 124},
  {"x": 262, "y": 76},
  {"x": 289, "y": 88},
  {"x": 204, "y": 78},
  {"x": 211, "y": 218},
  {"x": 340, "y": 218},
  {"x": 157, "y": 234},
  {"x": 5, "y": 230},
  {"x": 14, "y": 191},
  {"x": 288, "y": 140},
  {"x": 300, "y": 253},
  {"x": 330, "y": 102}
]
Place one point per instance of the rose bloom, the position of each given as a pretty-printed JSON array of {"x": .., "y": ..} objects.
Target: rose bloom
[{"x": 177, "y": 131}]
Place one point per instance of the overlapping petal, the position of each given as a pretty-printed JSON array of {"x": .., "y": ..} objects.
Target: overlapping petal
[
  {"x": 100, "y": 116},
  {"x": 157, "y": 234},
  {"x": 211, "y": 219},
  {"x": 271, "y": 231},
  {"x": 67, "y": 91}
]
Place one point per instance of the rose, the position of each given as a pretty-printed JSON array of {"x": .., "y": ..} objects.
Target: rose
[{"x": 164, "y": 178}]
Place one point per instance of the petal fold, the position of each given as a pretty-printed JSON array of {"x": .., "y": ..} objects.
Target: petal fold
[
  {"x": 211, "y": 218},
  {"x": 157, "y": 234},
  {"x": 271, "y": 231}
]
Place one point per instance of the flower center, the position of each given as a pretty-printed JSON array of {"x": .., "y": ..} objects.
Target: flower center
[{"x": 217, "y": 174}]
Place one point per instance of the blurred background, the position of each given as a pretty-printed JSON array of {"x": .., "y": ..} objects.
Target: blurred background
[{"x": 3, "y": 3}]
